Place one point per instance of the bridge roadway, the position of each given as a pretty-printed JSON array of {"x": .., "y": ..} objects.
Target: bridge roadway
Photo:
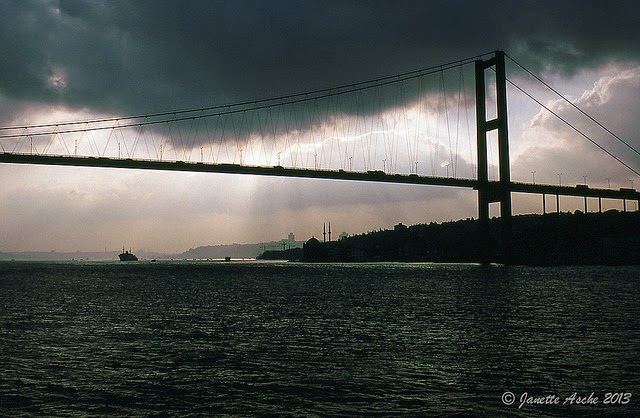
[{"x": 370, "y": 176}]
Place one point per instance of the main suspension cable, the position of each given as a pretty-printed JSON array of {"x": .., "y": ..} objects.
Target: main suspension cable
[
  {"x": 574, "y": 105},
  {"x": 573, "y": 127},
  {"x": 257, "y": 104}
]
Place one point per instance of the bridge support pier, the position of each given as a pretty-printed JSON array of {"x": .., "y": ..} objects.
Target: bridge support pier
[{"x": 496, "y": 191}]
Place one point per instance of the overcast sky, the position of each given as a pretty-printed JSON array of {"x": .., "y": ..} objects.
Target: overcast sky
[{"x": 81, "y": 59}]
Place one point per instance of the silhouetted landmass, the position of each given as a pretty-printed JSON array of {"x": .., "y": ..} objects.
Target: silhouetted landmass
[
  {"x": 233, "y": 250},
  {"x": 554, "y": 239},
  {"x": 292, "y": 254},
  {"x": 222, "y": 251}
]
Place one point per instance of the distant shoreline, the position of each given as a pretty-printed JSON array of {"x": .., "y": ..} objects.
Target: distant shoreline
[{"x": 608, "y": 238}]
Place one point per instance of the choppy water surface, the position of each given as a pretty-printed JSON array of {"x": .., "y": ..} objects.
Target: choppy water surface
[{"x": 254, "y": 339}]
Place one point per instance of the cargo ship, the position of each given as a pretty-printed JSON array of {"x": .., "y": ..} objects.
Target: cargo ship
[{"x": 127, "y": 256}]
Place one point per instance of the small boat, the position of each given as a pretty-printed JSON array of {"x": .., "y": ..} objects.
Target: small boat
[{"x": 127, "y": 255}]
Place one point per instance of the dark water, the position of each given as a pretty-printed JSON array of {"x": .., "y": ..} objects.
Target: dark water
[{"x": 293, "y": 339}]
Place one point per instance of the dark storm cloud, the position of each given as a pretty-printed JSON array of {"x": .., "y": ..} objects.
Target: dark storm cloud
[{"x": 124, "y": 57}]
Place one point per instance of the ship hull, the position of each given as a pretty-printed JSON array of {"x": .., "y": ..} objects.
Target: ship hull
[{"x": 127, "y": 256}]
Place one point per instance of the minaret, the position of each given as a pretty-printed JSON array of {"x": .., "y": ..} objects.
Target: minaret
[
  {"x": 329, "y": 231},
  {"x": 324, "y": 232}
]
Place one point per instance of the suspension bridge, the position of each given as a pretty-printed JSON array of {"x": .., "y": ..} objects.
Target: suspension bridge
[{"x": 410, "y": 128}]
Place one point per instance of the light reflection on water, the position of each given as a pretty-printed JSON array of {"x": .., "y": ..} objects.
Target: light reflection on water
[{"x": 298, "y": 339}]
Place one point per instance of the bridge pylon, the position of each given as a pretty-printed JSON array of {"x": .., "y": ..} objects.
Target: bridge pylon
[{"x": 499, "y": 191}]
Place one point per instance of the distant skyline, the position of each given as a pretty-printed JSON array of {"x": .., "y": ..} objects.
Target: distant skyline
[{"x": 80, "y": 59}]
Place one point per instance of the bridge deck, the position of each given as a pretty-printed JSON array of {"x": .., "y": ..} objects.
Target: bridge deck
[{"x": 370, "y": 176}]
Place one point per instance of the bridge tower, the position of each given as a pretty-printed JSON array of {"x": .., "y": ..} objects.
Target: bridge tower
[{"x": 500, "y": 191}]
